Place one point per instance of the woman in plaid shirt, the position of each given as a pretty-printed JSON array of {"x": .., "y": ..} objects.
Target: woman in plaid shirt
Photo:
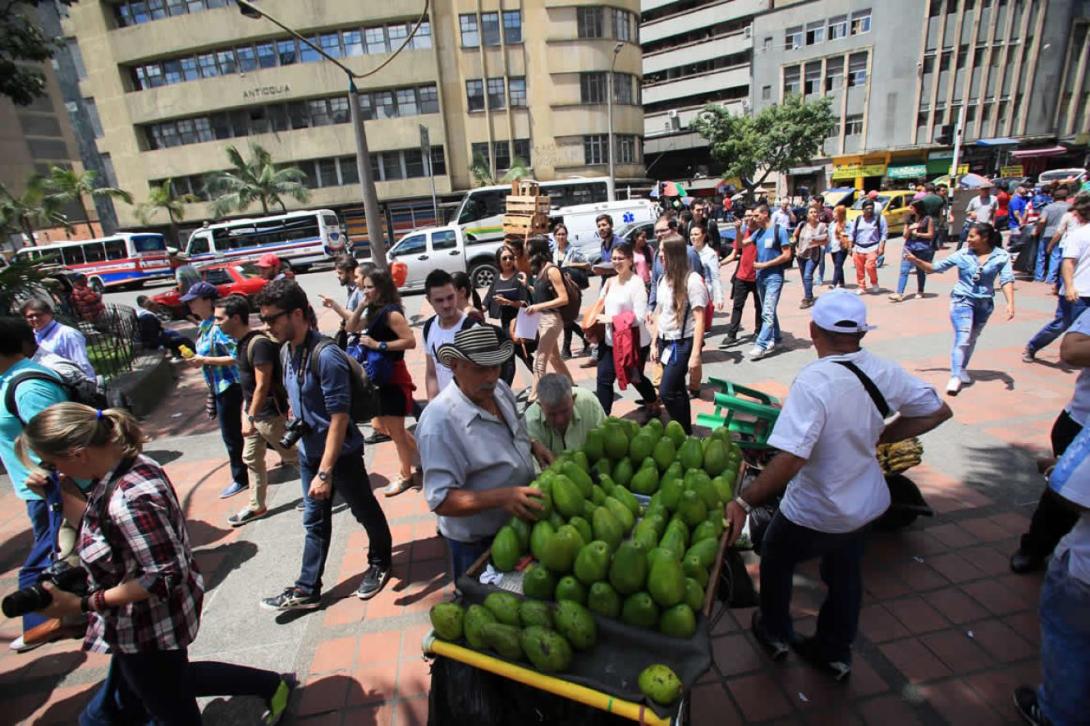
[{"x": 145, "y": 591}]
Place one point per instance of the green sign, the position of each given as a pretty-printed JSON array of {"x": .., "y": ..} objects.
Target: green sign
[{"x": 907, "y": 171}]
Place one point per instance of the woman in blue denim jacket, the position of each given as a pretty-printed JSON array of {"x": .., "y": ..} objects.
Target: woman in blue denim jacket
[{"x": 972, "y": 299}]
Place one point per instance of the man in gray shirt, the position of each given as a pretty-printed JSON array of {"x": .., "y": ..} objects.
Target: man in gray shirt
[
  {"x": 477, "y": 456},
  {"x": 1047, "y": 225}
]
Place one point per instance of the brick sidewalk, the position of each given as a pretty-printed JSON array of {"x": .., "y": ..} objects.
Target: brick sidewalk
[{"x": 946, "y": 630}]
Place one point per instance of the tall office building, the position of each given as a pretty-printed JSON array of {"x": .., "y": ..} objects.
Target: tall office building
[{"x": 175, "y": 82}]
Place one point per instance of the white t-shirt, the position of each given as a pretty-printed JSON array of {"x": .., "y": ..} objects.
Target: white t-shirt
[
  {"x": 669, "y": 326},
  {"x": 831, "y": 421},
  {"x": 621, "y": 298},
  {"x": 438, "y": 336},
  {"x": 1076, "y": 246},
  {"x": 1079, "y": 407},
  {"x": 984, "y": 208}
]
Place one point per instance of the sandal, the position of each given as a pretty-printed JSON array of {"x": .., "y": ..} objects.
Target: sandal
[{"x": 398, "y": 486}]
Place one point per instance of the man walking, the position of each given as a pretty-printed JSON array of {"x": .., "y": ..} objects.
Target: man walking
[
  {"x": 839, "y": 407},
  {"x": 744, "y": 281},
  {"x": 440, "y": 329},
  {"x": 868, "y": 233},
  {"x": 345, "y": 269},
  {"x": 607, "y": 239},
  {"x": 317, "y": 376},
  {"x": 981, "y": 208},
  {"x": 1048, "y": 250},
  {"x": 773, "y": 244}
]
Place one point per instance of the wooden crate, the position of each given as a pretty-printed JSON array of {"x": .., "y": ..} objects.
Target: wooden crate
[
  {"x": 528, "y": 205},
  {"x": 524, "y": 188},
  {"x": 524, "y": 225}
]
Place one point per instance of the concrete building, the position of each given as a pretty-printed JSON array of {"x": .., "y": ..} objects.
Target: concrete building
[
  {"x": 695, "y": 52},
  {"x": 897, "y": 72},
  {"x": 177, "y": 81}
]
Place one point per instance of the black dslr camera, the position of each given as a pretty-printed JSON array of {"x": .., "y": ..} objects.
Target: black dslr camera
[
  {"x": 31, "y": 599},
  {"x": 297, "y": 428}
]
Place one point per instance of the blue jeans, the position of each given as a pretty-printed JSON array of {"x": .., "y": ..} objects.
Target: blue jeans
[
  {"x": 1055, "y": 259},
  {"x": 229, "y": 416},
  {"x": 41, "y": 552},
  {"x": 784, "y": 546},
  {"x": 968, "y": 316},
  {"x": 808, "y": 268},
  {"x": 464, "y": 554},
  {"x": 839, "y": 258},
  {"x": 821, "y": 264},
  {"x": 907, "y": 268},
  {"x": 1066, "y": 314},
  {"x": 351, "y": 481},
  {"x": 1040, "y": 266},
  {"x": 769, "y": 286},
  {"x": 1064, "y": 693},
  {"x": 672, "y": 389}
]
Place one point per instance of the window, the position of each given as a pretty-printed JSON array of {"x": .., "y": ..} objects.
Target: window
[
  {"x": 589, "y": 22},
  {"x": 158, "y": 9},
  {"x": 475, "y": 95},
  {"x": 490, "y": 28},
  {"x": 594, "y": 149},
  {"x": 444, "y": 239},
  {"x": 522, "y": 150},
  {"x": 413, "y": 245},
  {"x": 115, "y": 249},
  {"x": 384, "y": 105},
  {"x": 766, "y": 93},
  {"x": 512, "y": 27},
  {"x": 92, "y": 114},
  {"x": 287, "y": 51},
  {"x": 838, "y": 27},
  {"x": 327, "y": 172},
  {"x": 767, "y": 43},
  {"x": 72, "y": 255},
  {"x": 478, "y": 152},
  {"x": 470, "y": 36},
  {"x": 422, "y": 37},
  {"x": 155, "y": 74},
  {"x": 227, "y": 62},
  {"x": 352, "y": 41},
  {"x": 307, "y": 54},
  {"x": 414, "y": 163},
  {"x": 627, "y": 149},
  {"x": 592, "y": 87},
  {"x": 815, "y": 33},
  {"x": 496, "y": 97},
  {"x": 319, "y": 113},
  {"x": 860, "y": 22},
  {"x": 622, "y": 88},
  {"x": 297, "y": 114},
  {"x": 813, "y": 78},
  {"x": 338, "y": 110},
  {"x": 331, "y": 44},
  {"x": 791, "y": 80},
  {"x": 502, "y": 152},
  {"x": 516, "y": 92},
  {"x": 853, "y": 125},
  {"x": 391, "y": 166},
  {"x": 622, "y": 25},
  {"x": 375, "y": 39},
  {"x": 190, "y": 71},
  {"x": 367, "y": 107},
  {"x": 247, "y": 59},
  {"x": 857, "y": 69},
  {"x": 792, "y": 38},
  {"x": 172, "y": 72},
  {"x": 350, "y": 173},
  {"x": 187, "y": 133},
  {"x": 406, "y": 102},
  {"x": 94, "y": 252},
  {"x": 428, "y": 99},
  {"x": 834, "y": 74},
  {"x": 835, "y": 133}
]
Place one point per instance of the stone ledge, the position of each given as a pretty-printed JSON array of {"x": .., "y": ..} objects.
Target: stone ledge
[{"x": 141, "y": 389}]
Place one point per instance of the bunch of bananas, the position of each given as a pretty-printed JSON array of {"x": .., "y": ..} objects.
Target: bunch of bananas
[{"x": 898, "y": 457}]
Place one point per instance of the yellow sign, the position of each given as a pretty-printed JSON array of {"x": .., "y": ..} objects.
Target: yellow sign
[
  {"x": 962, "y": 169},
  {"x": 1013, "y": 170},
  {"x": 851, "y": 171}
]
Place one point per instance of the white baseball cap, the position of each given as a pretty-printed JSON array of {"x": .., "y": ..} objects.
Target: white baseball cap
[{"x": 839, "y": 311}]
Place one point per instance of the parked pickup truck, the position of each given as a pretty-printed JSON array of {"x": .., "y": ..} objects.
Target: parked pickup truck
[{"x": 445, "y": 248}]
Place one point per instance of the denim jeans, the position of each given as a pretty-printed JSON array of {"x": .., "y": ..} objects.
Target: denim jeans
[
  {"x": 162, "y": 687},
  {"x": 839, "y": 258},
  {"x": 229, "y": 415},
  {"x": 1052, "y": 519},
  {"x": 769, "y": 286},
  {"x": 672, "y": 388},
  {"x": 907, "y": 268},
  {"x": 1066, "y": 314},
  {"x": 41, "y": 552},
  {"x": 607, "y": 376},
  {"x": 1041, "y": 265},
  {"x": 785, "y": 545},
  {"x": 464, "y": 554},
  {"x": 968, "y": 316},
  {"x": 1064, "y": 693},
  {"x": 1055, "y": 259},
  {"x": 350, "y": 479},
  {"x": 808, "y": 267},
  {"x": 821, "y": 264}
]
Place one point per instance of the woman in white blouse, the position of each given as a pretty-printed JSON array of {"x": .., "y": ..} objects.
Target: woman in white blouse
[
  {"x": 810, "y": 238},
  {"x": 698, "y": 236}
]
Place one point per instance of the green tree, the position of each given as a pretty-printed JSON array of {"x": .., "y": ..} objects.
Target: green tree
[
  {"x": 23, "y": 45},
  {"x": 33, "y": 209},
  {"x": 482, "y": 172},
  {"x": 163, "y": 197},
  {"x": 778, "y": 138},
  {"x": 64, "y": 186},
  {"x": 254, "y": 180}
]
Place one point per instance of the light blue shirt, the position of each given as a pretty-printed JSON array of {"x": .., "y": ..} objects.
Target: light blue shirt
[
  {"x": 865, "y": 235},
  {"x": 315, "y": 400},
  {"x": 975, "y": 280},
  {"x": 31, "y": 398},
  {"x": 67, "y": 343}
]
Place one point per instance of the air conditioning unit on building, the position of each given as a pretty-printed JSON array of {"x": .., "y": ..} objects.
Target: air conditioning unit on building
[{"x": 674, "y": 123}]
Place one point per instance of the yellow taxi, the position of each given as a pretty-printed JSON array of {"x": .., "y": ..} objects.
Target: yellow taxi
[{"x": 894, "y": 206}]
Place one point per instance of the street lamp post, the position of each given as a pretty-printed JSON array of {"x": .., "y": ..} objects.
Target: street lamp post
[
  {"x": 363, "y": 157},
  {"x": 611, "y": 185}
]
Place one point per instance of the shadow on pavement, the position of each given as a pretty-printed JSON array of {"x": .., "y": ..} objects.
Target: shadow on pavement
[
  {"x": 1006, "y": 472},
  {"x": 226, "y": 558},
  {"x": 164, "y": 457},
  {"x": 14, "y": 549},
  {"x": 36, "y": 690}
]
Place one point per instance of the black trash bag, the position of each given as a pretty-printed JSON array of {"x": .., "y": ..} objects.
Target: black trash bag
[{"x": 735, "y": 586}]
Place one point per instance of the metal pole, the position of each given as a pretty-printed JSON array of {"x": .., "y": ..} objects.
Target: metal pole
[
  {"x": 609, "y": 152},
  {"x": 957, "y": 146},
  {"x": 434, "y": 199},
  {"x": 375, "y": 237}
]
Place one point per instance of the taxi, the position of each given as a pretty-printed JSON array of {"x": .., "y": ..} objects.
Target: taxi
[{"x": 893, "y": 205}]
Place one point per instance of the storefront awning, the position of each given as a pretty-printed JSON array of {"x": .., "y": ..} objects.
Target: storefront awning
[
  {"x": 997, "y": 141},
  {"x": 1044, "y": 151},
  {"x": 801, "y": 170}
]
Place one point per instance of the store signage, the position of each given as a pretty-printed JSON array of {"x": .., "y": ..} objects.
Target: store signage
[
  {"x": 941, "y": 155},
  {"x": 907, "y": 171},
  {"x": 265, "y": 91},
  {"x": 1012, "y": 170},
  {"x": 851, "y": 171}
]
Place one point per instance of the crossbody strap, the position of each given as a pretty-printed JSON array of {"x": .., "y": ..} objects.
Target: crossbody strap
[{"x": 880, "y": 403}]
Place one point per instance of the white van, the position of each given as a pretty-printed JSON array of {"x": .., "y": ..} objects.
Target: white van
[
  {"x": 1055, "y": 175},
  {"x": 583, "y": 229}
]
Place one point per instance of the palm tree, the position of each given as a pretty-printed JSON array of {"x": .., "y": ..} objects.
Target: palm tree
[
  {"x": 256, "y": 180},
  {"x": 162, "y": 196},
  {"x": 33, "y": 209},
  {"x": 65, "y": 186},
  {"x": 482, "y": 172}
]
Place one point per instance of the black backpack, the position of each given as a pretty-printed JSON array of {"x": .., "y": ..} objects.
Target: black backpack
[
  {"x": 364, "y": 395},
  {"x": 278, "y": 393},
  {"x": 85, "y": 391}
]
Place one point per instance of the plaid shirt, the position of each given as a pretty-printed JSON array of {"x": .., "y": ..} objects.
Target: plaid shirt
[
  {"x": 213, "y": 342},
  {"x": 143, "y": 538}
]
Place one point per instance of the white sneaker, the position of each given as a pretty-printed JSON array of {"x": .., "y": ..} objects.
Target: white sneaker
[
  {"x": 966, "y": 379},
  {"x": 757, "y": 353},
  {"x": 953, "y": 386},
  {"x": 860, "y": 290},
  {"x": 19, "y": 645},
  {"x": 874, "y": 289}
]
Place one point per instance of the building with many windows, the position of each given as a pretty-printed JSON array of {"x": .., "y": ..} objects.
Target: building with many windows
[{"x": 175, "y": 82}]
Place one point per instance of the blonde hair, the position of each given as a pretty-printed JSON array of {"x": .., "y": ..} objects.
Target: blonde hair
[{"x": 63, "y": 427}]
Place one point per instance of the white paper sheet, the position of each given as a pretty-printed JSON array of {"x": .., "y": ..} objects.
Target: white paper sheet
[{"x": 526, "y": 324}]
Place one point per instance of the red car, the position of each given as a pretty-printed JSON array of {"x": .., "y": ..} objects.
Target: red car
[{"x": 228, "y": 279}]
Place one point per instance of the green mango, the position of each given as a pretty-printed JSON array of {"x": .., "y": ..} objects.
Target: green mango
[
  {"x": 694, "y": 594},
  {"x": 506, "y": 551},
  {"x": 581, "y": 460},
  {"x": 476, "y": 617},
  {"x": 545, "y": 500},
  {"x": 658, "y": 520},
  {"x": 660, "y": 553},
  {"x": 622, "y": 473},
  {"x": 622, "y": 513},
  {"x": 656, "y": 507},
  {"x": 560, "y": 550},
  {"x": 640, "y": 610},
  {"x": 567, "y": 497},
  {"x": 671, "y": 488},
  {"x": 703, "y": 486},
  {"x": 705, "y": 550},
  {"x": 690, "y": 454},
  {"x": 597, "y": 494},
  {"x": 645, "y": 481},
  {"x": 583, "y": 527},
  {"x": 594, "y": 445},
  {"x": 447, "y": 619},
  {"x": 652, "y": 431},
  {"x": 692, "y": 566},
  {"x": 628, "y": 571},
  {"x": 704, "y": 530},
  {"x": 539, "y": 535},
  {"x": 691, "y": 508},
  {"x": 602, "y": 468},
  {"x": 576, "y": 624},
  {"x": 640, "y": 448},
  {"x": 504, "y": 606},
  {"x": 645, "y": 535},
  {"x": 556, "y": 520},
  {"x": 716, "y": 520},
  {"x": 588, "y": 509},
  {"x": 674, "y": 542},
  {"x": 675, "y": 433},
  {"x": 655, "y": 424},
  {"x": 678, "y": 621},
  {"x": 664, "y": 453},
  {"x": 679, "y": 526},
  {"x": 522, "y": 530},
  {"x": 579, "y": 477},
  {"x": 606, "y": 483},
  {"x": 715, "y": 457},
  {"x": 607, "y": 527},
  {"x": 504, "y": 639},
  {"x": 604, "y": 600},
  {"x": 538, "y": 582},
  {"x": 626, "y": 498},
  {"x": 569, "y": 588},
  {"x": 660, "y": 684},
  {"x": 631, "y": 427},
  {"x": 724, "y": 487},
  {"x": 592, "y": 562},
  {"x": 535, "y": 612},
  {"x": 616, "y": 443},
  {"x": 666, "y": 583},
  {"x": 546, "y": 649}
]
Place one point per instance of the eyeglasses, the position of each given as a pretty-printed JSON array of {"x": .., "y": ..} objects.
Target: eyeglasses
[
  {"x": 32, "y": 316},
  {"x": 270, "y": 319},
  {"x": 506, "y": 258}
]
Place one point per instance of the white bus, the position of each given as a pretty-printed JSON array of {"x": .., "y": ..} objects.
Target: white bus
[
  {"x": 122, "y": 259},
  {"x": 302, "y": 238},
  {"x": 481, "y": 212}
]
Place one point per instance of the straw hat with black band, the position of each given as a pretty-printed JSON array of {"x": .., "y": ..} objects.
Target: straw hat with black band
[{"x": 480, "y": 345}]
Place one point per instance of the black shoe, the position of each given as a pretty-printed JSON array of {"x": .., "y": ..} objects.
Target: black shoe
[
  {"x": 1023, "y": 563},
  {"x": 376, "y": 438},
  {"x": 566, "y": 354},
  {"x": 693, "y": 395},
  {"x": 374, "y": 579},
  {"x": 1025, "y": 700},
  {"x": 292, "y": 599},
  {"x": 810, "y": 651},
  {"x": 776, "y": 648}
]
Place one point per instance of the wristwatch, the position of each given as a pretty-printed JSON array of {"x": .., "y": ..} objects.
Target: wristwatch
[
  {"x": 324, "y": 476},
  {"x": 382, "y": 346},
  {"x": 743, "y": 504}
]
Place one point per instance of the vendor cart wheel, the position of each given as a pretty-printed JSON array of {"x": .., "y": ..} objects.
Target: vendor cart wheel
[{"x": 906, "y": 504}]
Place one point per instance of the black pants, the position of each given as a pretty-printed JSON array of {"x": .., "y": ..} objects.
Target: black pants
[
  {"x": 607, "y": 376},
  {"x": 229, "y": 415},
  {"x": 1052, "y": 519},
  {"x": 573, "y": 328},
  {"x": 740, "y": 290},
  {"x": 672, "y": 389}
]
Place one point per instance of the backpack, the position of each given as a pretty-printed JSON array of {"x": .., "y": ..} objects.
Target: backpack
[
  {"x": 278, "y": 393},
  {"x": 364, "y": 395},
  {"x": 569, "y": 313},
  {"x": 79, "y": 389}
]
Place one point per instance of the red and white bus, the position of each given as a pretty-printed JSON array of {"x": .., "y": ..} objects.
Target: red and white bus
[
  {"x": 302, "y": 238},
  {"x": 122, "y": 259}
]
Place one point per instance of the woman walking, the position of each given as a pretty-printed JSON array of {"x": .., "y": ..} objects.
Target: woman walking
[
  {"x": 506, "y": 295},
  {"x": 678, "y": 333},
  {"x": 810, "y": 239},
  {"x": 571, "y": 259},
  {"x": 840, "y": 244},
  {"x": 643, "y": 255},
  {"x": 973, "y": 298},
  {"x": 624, "y": 293},
  {"x": 385, "y": 336},
  {"x": 145, "y": 591},
  {"x": 919, "y": 239},
  {"x": 549, "y": 294}
]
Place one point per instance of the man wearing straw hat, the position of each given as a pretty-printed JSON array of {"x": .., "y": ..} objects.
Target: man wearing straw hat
[{"x": 477, "y": 456}]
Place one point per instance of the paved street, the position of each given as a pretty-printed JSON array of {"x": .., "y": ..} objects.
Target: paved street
[{"x": 946, "y": 630}]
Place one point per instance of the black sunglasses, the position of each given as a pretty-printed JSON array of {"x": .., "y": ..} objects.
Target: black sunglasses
[{"x": 270, "y": 319}]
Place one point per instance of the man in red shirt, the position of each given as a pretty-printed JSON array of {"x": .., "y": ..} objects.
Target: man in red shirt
[
  {"x": 744, "y": 282},
  {"x": 86, "y": 302},
  {"x": 1002, "y": 210}
]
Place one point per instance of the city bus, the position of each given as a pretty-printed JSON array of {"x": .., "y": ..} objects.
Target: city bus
[
  {"x": 302, "y": 238},
  {"x": 122, "y": 259},
  {"x": 481, "y": 212}
]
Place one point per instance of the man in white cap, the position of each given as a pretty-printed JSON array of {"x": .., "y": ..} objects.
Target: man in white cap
[{"x": 838, "y": 409}]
